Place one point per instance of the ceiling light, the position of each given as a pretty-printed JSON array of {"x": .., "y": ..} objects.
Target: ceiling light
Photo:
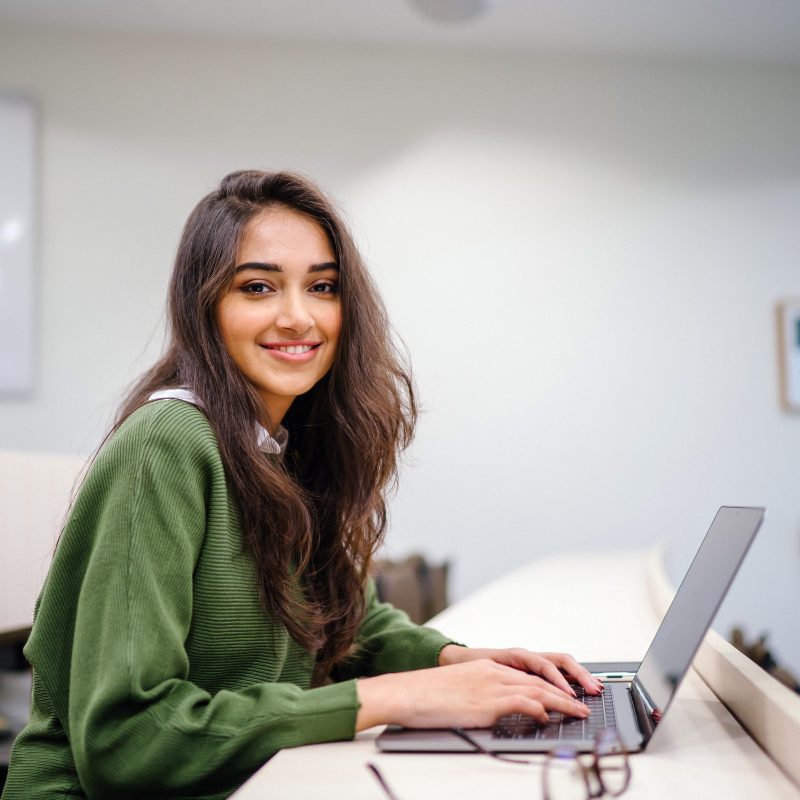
[{"x": 451, "y": 10}]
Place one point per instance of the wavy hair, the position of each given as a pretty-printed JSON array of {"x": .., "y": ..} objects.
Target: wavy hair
[{"x": 318, "y": 516}]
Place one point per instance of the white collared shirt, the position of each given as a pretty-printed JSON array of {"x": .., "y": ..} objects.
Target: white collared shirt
[{"x": 264, "y": 441}]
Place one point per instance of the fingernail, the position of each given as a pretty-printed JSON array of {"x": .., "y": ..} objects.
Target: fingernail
[{"x": 574, "y": 694}]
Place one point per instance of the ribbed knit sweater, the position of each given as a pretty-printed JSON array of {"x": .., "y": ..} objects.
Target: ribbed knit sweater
[{"x": 156, "y": 672}]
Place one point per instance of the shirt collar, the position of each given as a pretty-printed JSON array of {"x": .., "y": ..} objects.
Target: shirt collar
[{"x": 275, "y": 445}]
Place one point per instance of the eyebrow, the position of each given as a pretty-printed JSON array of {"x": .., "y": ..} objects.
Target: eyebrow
[{"x": 267, "y": 267}]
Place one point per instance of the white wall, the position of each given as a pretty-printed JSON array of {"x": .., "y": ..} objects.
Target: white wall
[{"x": 582, "y": 257}]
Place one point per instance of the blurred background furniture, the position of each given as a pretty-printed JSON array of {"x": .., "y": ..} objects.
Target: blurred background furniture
[
  {"x": 413, "y": 585},
  {"x": 35, "y": 490}
]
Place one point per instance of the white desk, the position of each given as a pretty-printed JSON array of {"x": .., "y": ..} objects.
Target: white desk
[{"x": 604, "y": 612}]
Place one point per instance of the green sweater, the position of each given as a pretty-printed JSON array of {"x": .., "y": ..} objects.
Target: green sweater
[{"x": 156, "y": 674}]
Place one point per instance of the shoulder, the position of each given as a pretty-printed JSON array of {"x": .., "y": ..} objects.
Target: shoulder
[
  {"x": 174, "y": 420},
  {"x": 162, "y": 463},
  {"x": 168, "y": 414},
  {"x": 162, "y": 432}
]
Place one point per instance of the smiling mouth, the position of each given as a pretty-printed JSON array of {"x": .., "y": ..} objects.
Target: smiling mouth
[{"x": 293, "y": 349}]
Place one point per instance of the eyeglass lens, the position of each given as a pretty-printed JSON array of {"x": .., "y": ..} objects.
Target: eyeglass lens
[
  {"x": 565, "y": 777},
  {"x": 612, "y": 764}
]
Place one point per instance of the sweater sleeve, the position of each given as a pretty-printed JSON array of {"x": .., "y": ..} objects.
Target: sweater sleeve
[
  {"x": 389, "y": 642},
  {"x": 138, "y": 727}
]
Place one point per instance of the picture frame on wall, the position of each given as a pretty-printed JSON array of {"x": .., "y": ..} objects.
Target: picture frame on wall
[
  {"x": 17, "y": 243},
  {"x": 788, "y": 316}
]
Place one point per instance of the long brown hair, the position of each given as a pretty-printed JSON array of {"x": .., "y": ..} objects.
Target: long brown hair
[{"x": 319, "y": 515}]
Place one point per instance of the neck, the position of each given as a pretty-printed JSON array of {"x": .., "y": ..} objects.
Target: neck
[{"x": 275, "y": 409}]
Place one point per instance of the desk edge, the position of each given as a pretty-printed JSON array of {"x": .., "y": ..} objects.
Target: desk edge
[{"x": 768, "y": 710}]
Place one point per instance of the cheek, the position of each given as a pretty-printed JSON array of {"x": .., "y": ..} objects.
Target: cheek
[
  {"x": 223, "y": 326},
  {"x": 232, "y": 329},
  {"x": 334, "y": 322},
  {"x": 333, "y": 329},
  {"x": 236, "y": 324}
]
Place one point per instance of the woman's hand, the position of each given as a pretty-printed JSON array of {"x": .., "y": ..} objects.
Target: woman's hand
[
  {"x": 472, "y": 694},
  {"x": 546, "y": 665}
]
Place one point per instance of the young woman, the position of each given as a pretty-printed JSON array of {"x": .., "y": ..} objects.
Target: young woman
[{"x": 208, "y": 603}]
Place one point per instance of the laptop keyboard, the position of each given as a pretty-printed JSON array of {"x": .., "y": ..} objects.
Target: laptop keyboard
[{"x": 560, "y": 727}]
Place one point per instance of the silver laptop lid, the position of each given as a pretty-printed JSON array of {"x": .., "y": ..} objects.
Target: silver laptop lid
[{"x": 692, "y": 611}]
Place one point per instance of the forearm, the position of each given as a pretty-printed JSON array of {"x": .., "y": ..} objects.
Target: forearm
[
  {"x": 380, "y": 700},
  {"x": 383, "y": 699},
  {"x": 389, "y": 642},
  {"x": 187, "y": 739}
]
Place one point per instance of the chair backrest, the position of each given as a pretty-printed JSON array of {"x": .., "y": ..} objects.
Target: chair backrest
[
  {"x": 413, "y": 585},
  {"x": 35, "y": 492}
]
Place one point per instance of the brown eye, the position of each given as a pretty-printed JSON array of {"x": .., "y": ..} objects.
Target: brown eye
[
  {"x": 325, "y": 287},
  {"x": 256, "y": 288}
]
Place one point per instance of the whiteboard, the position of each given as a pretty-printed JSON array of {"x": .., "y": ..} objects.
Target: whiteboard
[{"x": 17, "y": 243}]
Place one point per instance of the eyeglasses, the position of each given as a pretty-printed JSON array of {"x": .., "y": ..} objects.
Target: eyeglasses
[{"x": 565, "y": 776}]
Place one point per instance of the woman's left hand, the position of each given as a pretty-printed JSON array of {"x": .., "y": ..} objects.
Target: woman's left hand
[{"x": 547, "y": 665}]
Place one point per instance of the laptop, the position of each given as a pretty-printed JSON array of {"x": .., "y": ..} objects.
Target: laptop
[{"x": 637, "y": 695}]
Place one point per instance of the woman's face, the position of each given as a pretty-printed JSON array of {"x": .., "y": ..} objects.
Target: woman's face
[{"x": 281, "y": 315}]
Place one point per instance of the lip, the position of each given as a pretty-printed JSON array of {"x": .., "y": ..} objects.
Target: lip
[{"x": 292, "y": 358}]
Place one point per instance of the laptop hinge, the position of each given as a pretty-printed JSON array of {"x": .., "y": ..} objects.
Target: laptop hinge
[{"x": 646, "y": 713}]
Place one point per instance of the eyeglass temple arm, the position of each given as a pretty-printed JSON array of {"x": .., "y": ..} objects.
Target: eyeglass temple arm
[{"x": 381, "y": 780}]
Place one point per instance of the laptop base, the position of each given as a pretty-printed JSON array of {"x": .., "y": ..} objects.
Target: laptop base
[{"x": 396, "y": 739}]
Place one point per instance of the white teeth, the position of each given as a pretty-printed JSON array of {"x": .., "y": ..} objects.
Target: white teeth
[{"x": 295, "y": 348}]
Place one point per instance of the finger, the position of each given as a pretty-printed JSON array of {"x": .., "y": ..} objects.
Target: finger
[
  {"x": 520, "y": 704},
  {"x": 555, "y": 701},
  {"x": 547, "y": 669},
  {"x": 540, "y": 664},
  {"x": 577, "y": 671},
  {"x": 516, "y": 677},
  {"x": 537, "y": 705}
]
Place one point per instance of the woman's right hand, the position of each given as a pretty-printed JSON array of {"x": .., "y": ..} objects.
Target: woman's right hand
[{"x": 468, "y": 695}]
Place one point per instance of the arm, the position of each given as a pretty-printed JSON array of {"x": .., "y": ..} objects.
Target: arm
[
  {"x": 117, "y": 610},
  {"x": 388, "y": 641},
  {"x": 473, "y": 688}
]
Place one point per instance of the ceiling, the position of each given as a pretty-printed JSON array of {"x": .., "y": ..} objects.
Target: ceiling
[{"x": 761, "y": 30}]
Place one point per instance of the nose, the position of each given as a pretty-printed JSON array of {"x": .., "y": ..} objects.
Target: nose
[{"x": 293, "y": 314}]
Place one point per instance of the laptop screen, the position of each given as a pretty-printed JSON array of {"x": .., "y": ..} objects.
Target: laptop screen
[{"x": 694, "y": 606}]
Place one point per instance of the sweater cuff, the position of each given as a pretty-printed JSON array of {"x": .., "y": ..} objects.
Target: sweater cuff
[
  {"x": 426, "y": 650},
  {"x": 327, "y": 713}
]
